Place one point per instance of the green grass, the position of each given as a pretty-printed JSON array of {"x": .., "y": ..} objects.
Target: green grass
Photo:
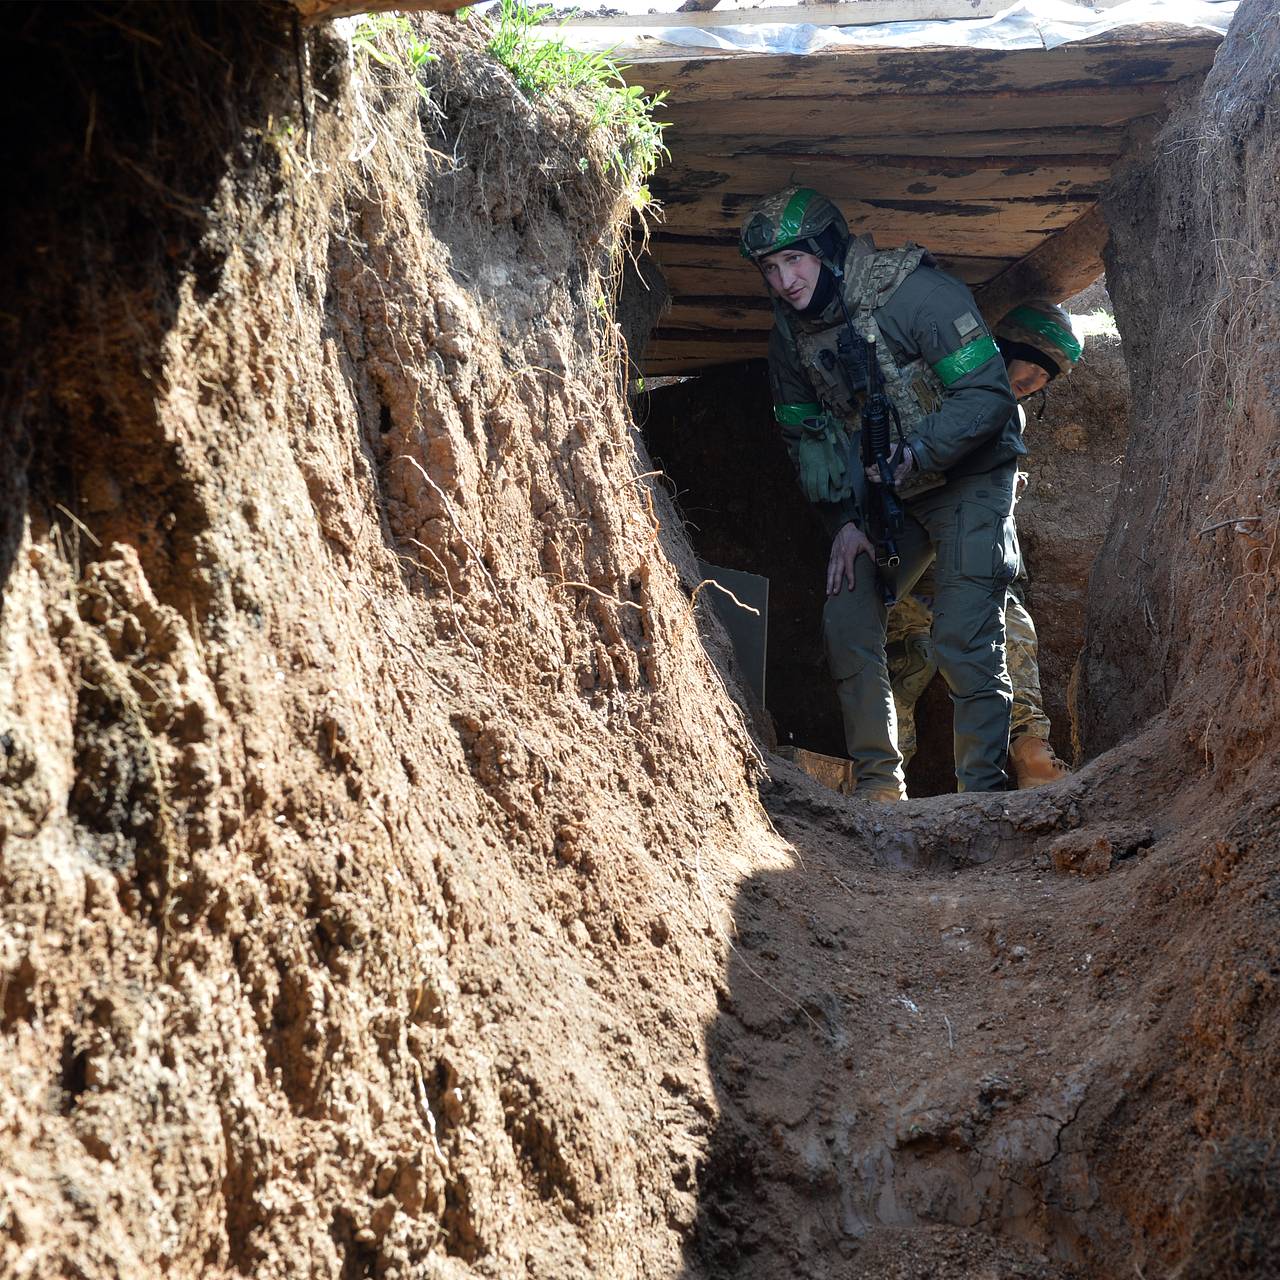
[
  {"x": 391, "y": 42},
  {"x": 544, "y": 68}
]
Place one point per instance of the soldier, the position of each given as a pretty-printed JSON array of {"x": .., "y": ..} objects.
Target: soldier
[
  {"x": 839, "y": 305},
  {"x": 1038, "y": 345}
]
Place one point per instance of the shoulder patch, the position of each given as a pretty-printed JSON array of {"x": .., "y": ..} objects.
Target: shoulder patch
[{"x": 966, "y": 324}]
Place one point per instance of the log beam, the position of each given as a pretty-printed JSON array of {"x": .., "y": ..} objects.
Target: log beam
[{"x": 1057, "y": 269}]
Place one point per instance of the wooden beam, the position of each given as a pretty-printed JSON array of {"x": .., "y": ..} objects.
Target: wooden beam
[
  {"x": 692, "y": 181},
  {"x": 712, "y": 314},
  {"x": 1072, "y": 142},
  {"x": 673, "y": 352},
  {"x": 997, "y": 229},
  {"x": 756, "y": 120},
  {"x": 1129, "y": 59},
  {"x": 1059, "y": 268}
]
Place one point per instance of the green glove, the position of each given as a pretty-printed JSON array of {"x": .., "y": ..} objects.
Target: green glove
[{"x": 824, "y": 472}]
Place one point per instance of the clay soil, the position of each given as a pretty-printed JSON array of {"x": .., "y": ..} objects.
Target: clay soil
[{"x": 394, "y": 879}]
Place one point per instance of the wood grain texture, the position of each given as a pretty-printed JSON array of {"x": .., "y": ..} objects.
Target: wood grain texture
[
  {"x": 1059, "y": 268},
  {"x": 948, "y": 178},
  {"x": 983, "y": 156}
]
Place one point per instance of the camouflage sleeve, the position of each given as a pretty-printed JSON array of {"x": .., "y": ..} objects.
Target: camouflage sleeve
[
  {"x": 794, "y": 399},
  {"x": 934, "y": 316}
]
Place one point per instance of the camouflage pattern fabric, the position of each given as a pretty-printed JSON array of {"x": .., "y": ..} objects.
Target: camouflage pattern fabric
[
  {"x": 1021, "y": 653},
  {"x": 788, "y": 217}
]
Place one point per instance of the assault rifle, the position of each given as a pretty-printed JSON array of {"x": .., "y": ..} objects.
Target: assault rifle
[{"x": 861, "y": 367}]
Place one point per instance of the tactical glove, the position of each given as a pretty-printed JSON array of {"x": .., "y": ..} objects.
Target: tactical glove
[{"x": 824, "y": 471}]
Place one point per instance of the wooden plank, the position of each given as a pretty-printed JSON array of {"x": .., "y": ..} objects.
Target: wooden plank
[
  {"x": 1006, "y": 229},
  {"x": 1076, "y": 142},
  {"x": 755, "y": 120},
  {"x": 1118, "y": 61},
  {"x": 711, "y": 314},
  {"x": 689, "y": 181},
  {"x": 676, "y": 353},
  {"x": 863, "y": 13}
]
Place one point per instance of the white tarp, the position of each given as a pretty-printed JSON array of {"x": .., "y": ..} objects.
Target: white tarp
[{"x": 1031, "y": 24}]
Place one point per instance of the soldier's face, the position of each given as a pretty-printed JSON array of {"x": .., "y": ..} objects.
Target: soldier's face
[
  {"x": 1026, "y": 378},
  {"x": 792, "y": 275}
]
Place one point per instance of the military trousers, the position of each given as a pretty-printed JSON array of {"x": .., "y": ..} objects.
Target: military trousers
[
  {"x": 909, "y": 648},
  {"x": 966, "y": 531}
]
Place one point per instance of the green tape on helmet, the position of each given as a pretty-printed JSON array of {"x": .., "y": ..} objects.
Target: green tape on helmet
[
  {"x": 793, "y": 217},
  {"x": 1036, "y": 322},
  {"x": 965, "y": 360}
]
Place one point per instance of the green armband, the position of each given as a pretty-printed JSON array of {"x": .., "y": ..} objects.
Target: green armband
[
  {"x": 793, "y": 415},
  {"x": 966, "y": 359}
]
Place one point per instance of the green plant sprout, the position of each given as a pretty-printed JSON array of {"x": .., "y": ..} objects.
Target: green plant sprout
[
  {"x": 391, "y": 42},
  {"x": 542, "y": 68}
]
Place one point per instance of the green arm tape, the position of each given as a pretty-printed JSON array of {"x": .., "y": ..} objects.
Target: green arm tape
[
  {"x": 793, "y": 415},
  {"x": 965, "y": 360}
]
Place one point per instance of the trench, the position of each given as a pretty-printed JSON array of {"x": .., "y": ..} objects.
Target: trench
[
  {"x": 918, "y": 1098},
  {"x": 495, "y": 948}
]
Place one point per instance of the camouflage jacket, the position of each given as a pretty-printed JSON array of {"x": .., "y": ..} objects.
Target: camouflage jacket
[{"x": 942, "y": 369}]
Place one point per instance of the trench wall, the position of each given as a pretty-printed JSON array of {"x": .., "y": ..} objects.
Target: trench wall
[
  {"x": 1183, "y": 599},
  {"x": 369, "y": 801}
]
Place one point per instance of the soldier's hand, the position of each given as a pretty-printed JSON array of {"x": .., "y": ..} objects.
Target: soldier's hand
[
  {"x": 847, "y": 546},
  {"x": 902, "y": 463}
]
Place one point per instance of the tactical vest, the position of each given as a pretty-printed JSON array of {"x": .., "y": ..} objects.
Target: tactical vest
[{"x": 870, "y": 280}]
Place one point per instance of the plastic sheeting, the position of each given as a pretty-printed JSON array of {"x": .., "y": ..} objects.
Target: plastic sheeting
[{"x": 1032, "y": 24}]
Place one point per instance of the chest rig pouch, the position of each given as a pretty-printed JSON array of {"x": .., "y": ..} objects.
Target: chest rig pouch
[{"x": 840, "y": 377}]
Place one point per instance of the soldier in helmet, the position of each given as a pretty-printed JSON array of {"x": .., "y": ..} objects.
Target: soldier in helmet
[
  {"x": 839, "y": 305},
  {"x": 1038, "y": 344}
]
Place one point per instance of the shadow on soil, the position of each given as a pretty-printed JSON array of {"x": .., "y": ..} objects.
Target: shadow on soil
[{"x": 892, "y": 1086}]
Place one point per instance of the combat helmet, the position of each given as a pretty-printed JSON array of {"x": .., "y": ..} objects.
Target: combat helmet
[
  {"x": 1040, "y": 332},
  {"x": 797, "y": 217}
]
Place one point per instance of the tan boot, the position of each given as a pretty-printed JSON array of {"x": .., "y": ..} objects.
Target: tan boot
[
  {"x": 879, "y": 795},
  {"x": 1034, "y": 762}
]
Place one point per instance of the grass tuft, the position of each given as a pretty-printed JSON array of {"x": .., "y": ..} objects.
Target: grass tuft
[
  {"x": 391, "y": 42},
  {"x": 545, "y": 67}
]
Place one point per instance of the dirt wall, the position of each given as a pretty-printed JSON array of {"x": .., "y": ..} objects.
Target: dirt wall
[
  {"x": 375, "y": 822},
  {"x": 1183, "y": 615},
  {"x": 368, "y": 791}
]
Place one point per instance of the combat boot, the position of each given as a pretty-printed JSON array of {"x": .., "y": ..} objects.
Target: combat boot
[
  {"x": 879, "y": 795},
  {"x": 1034, "y": 762}
]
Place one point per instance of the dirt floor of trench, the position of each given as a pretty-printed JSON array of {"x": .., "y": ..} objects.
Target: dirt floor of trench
[{"x": 941, "y": 1025}]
